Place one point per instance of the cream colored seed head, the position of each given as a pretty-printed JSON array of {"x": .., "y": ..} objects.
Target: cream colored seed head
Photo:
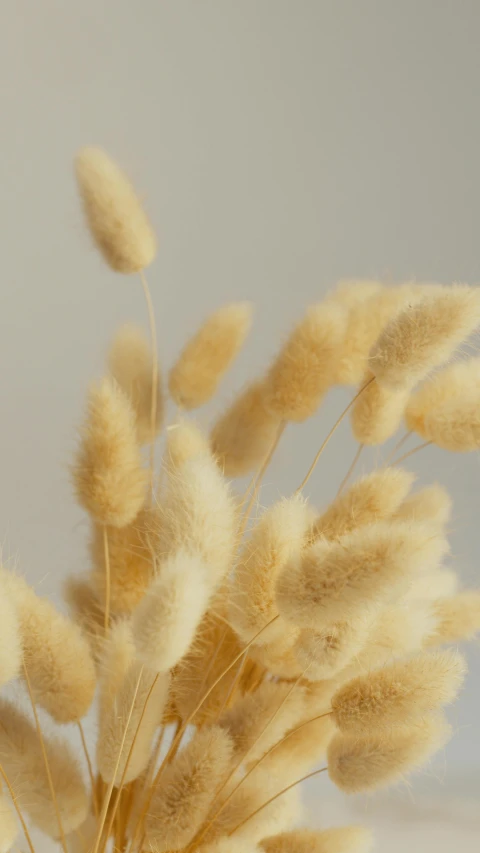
[
  {"x": 109, "y": 480},
  {"x": 277, "y": 538},
  {"x": 22, "y": 760},
  {"x": 457, "y": 382},
  {"x": 372, "y": 498},
  {"x": 366, "y": 763},
  {"x": 10, "y": 639},
  {"x": 399, "y": 693},
  {"x": 185, "y": 441},
  {"x": 55, "y": 652},
  {"x": 325, "y": 654},
  {"x": 430, "y": 586},
  {"x": 260, "y": 719},
  {"x": 116, "y": 220},
  {"x": 130, "y": 364},
  {"x": 432, "y": 504},
  {"x": 87, "y": 613},
  {"x": 301, "y": 751},
  {"x": 336, "y": 580},
  {"x": 8, "y": 824},
  {"x": 304, "y": 369},
  {"x": 456, "y": 618},
  {"x": 279, "y": 657},
  {"x": 455, "y": 426},
  {"x": 182, "y": 798},
  {"x": 345, "y": 839},
  {"x": 243, "y": 435},
  {"x": 166, "y": 620},
  {"x": 199, "y": 515},
  {"x": 131, "y": 554},
  {"x": 207, "y": 356},
  {"x": 378, "y": 412},
  {"x": 424, "y": 335}
]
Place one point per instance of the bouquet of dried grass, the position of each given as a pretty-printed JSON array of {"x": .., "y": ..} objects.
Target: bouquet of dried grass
[{"x": 233, "y": 658}]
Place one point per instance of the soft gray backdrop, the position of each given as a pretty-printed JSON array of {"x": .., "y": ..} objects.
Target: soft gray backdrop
[{"x": 280, "y": 145}]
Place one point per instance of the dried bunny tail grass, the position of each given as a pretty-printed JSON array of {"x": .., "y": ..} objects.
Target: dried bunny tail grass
[
  {"x": 130, "y": 364},
  {"x": 456, "y": 382},
  {"x": 10, "y": 640},
  {"x": 325, "y": 654},
  {"x": 378, "y": 413},
  {"x": 370, "y": 307},
  {"x": 118, "y": 655},
  {"x": 424, "y": 335},
  {"x": 240, "y": 816},
  {"x": 109, "y": 480},
  {"x": 207, "y": 356},
  {"x": 116, "y": 220},
  {"x": 432, "y": 504},
  {"x": 456, "y": 618},
  {"x": 243, "y": 435},
  {"x": 277, "y": 538},
  {"x": 357, "y": 764},
  {"x": 199, "y": 514},
  {"x": 183, "y": 796},
  {"x": 56, "y": 654},
  {"x": 353, "y": 292},
  {"x": 301, "y": 750},
  {"x": 260, "y": 719},
  {"x": 185, "y": 441},
  {"x": 213, "y": 649},
  {"x": 440, "y": 583},
  {"x": 399, "y": 693},
  {"x": 145, "y": 692},
  {"x": 8, "y": 824},
  {"x": 87, "y": 612},
  {"x": 372, "y": 498},
  {"x": 22, "y": 759},
  {"x": 279, "y": 657},
  {"x": 455, "y": 426},
  {"x": 82, "y": 840},
  {"x": 131, "y": 560},
  {"x": 304, "y": 369},
  {"x": 344, "y": 839},
  {"x": 166, "y": 620},
  {"x": 337, "y": 580}
]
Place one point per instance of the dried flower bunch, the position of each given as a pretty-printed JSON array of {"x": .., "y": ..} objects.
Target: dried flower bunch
[{"x": 231, "y": 652}]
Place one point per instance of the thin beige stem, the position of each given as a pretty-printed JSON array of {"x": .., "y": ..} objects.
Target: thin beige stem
[
  {"x": 130, "y": 752},
  {"x": 108, "y": 795},
  {"x": 45, "y": 757},
  {"x": 257, "y": 480},
  {"x": 350, "y": 470},
  {"x": 89, "y": 766},
  {"x": 176, "y": 740},
  {"x": 17, "y": 809},
  {"x": 333, "y": 429},
  {"x": 397, "y": 447},
  {"x": 411, "y": 452},
  {"x": 154, "y": 344},
  {"x": 106, "y": 556},
  {"x": 271, "y": 800}
]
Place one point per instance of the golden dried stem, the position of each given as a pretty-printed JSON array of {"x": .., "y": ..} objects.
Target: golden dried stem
[
  {"x": 350, "y": 470},
  {"x": 17, "y": 809},
  {"x": 257, "y": 479},
  {"x": 45, "y": 758},
  {"x": 154, "y": 344},
  {"x": 89, "y": 766},
  {"x": 397, "y": 447},
  {"x": 324, "y": 444},
  {"x": 411, "y": 452}
]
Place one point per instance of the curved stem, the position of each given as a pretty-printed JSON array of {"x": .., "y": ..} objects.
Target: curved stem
[
  {"x": 397, "y": 448},
  {"x": 257, "y": 480},
  {"x": 154, "y": 402},
  {"x": 411, "y": 452},
  {"x": 336, "y": 424},
  {"x": 17, "y": 809}
]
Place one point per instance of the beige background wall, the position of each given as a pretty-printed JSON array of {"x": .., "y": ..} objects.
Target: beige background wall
[{"x": 280, "y": 145}]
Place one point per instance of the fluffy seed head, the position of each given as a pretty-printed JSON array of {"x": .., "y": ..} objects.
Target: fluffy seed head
[
  {"x": 279, "y": 657},
  {"x": 365, "y": 763},
  {"x": 345, "y": 839},
  {"x": 325, "y": 654},
  {"x": 399, "y": 693},
  {"x": 439, "y": 583},
  {"x": 10, "y": 640},
  {"x": 56, "y": 654},
  {"x": 278, "y": 538},
  {"x": 372, "y": 498},
  {"x": 22, "y": 760},
  {"x": 456, "y": 618},
  {"x": 8, "y": 824},
  {"x": 116, "y": 220},
  {"x": 377, "y": 413},
  {"x": 432, "y": 504},
  {"x": 166, "y": 620},
  {"x": 130, "y": 364},
  {"x": 182, "y": 798},
  {"x": 87, "y": 613},
  {"x": 207, "y": 356},
  {"x": 185, "y": 441},
  {"x": 424, "y": 335},
  {"x": 243, "y": 435},
  {"x": 336, "y": 580},
  {"x": 109, "y": 480},
  {"x": 304, "y": 369},
  {"x": 303, "y": 750}
]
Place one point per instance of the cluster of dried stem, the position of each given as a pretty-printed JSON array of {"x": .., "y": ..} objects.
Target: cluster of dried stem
[{"x": 233, "y": 658}]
